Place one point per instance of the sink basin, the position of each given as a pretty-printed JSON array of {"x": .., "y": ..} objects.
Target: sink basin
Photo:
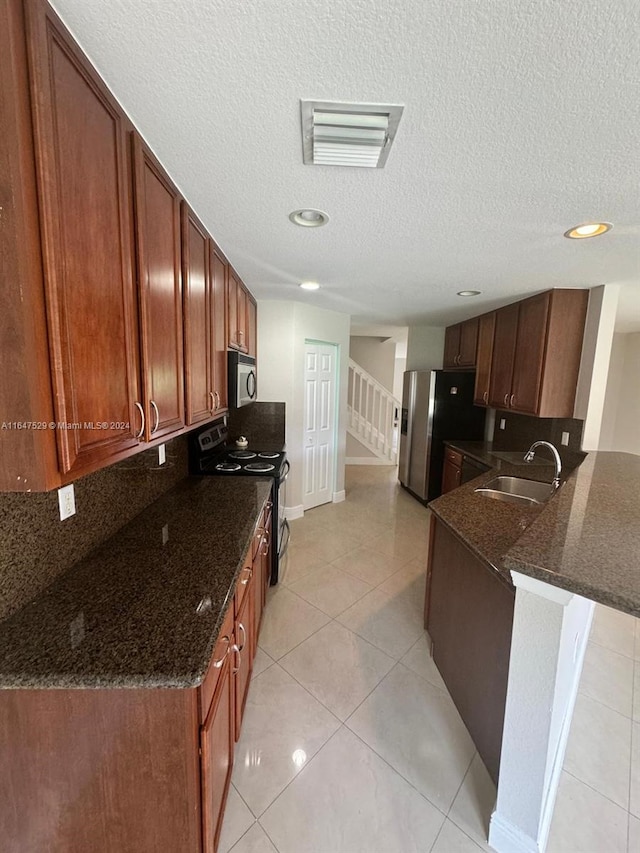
[{"x": 516, "y": 490}]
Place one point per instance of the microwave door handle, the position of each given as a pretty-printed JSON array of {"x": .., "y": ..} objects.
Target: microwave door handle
[{"x": 251, "y": 392}]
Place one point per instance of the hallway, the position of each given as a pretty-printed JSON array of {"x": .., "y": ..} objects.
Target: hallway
[{"x": 350, "y": 741}]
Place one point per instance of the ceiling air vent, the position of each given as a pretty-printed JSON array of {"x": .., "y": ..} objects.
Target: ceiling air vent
[{"x": 338, "y": 134}]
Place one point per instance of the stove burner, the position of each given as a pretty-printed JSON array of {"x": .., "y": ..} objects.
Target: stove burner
[
  {"x": 268, "y": 455},
  {"x": 241, "y": 454},
  {"x": 260, "y": 467},
  {"x": 228, "y": 466}
]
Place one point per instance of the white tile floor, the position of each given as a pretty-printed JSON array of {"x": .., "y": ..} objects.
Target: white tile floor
[{"x": 350, "y": 742}]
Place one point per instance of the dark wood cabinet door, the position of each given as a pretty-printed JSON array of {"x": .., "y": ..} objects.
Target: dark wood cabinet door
[
  {"x": 469, "y": 620},
  {"x": 243, "y": 300},
  {"x": 244, "y": 632},
  {"x": 530, "y": 354},
  {"x": 233, "y": 285},
  {"x": 197, "y": 321},
  {"x": 468, "y": 343},
  {"x": 486, "y": 327},
  {"x": 504, "y": 346},
  {"x": 252, "y": 326},
  {"x": 451, "y": 346},
  {"x": 157, "y": 233},
  {"x": 217, "y": 740},
  {"x": 451, "y": 475},
  {"x": 85, "y": 208},
  {"x": 219, "y": 271}
]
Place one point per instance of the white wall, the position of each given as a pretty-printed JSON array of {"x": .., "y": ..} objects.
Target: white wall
[
  {"x": 425, "y": 347},
  {"x": 375, "y": 356},
  {"x": 283, "y": 328},
  {"x": 398, "y": 372},
  {"x": 621, "y": 419}
]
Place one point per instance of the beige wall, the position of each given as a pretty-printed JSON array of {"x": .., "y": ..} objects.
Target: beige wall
[
  {"x": 283, "y": 328},
  {"x": 621, "y": 419},
  {"x": 375, "y": 356},
  {"x": 425, "y": 347}
]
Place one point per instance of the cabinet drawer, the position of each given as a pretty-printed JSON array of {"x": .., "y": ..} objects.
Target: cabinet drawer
[
  {"x": 453, "y": 456},
  {"x": 223, "y": 646}
]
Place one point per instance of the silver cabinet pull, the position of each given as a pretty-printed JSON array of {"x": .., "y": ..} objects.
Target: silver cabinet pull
[
  {"x": 213, "y": 402},
  {"x": 485, "y": 396},
  {"x": 248, "y": 578},
  {"x": 513, "y": 399},
  {"x": 234, "y": 648},
  {"x": 244, "y": 636},
  {"x": 506, "y": 399},
  {"x": 265, "y": 544},
  {"x": 218, "y": 663},
  {"x": 157, "y": 414},
  {"x": 217, "y": 403},
  {"x": 142, "y": 420}
]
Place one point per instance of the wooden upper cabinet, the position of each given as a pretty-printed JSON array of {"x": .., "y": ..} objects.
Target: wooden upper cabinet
[
  {"x": 486, "y": 328},
  {"x": 243, "y": 300},
  {"x": 80, "y": 139},
  {"x": 529, "y": 355},
  {"x": 252, "y": 326},
  {"x": 504, "y": 347},
  {"x": 157, "y": 233},
  {"x": 200, "y": 400},
  {"x": 460, "y": 344},
  {"x": 237, "y": 298},
  {"x": 219, "y": 272}
]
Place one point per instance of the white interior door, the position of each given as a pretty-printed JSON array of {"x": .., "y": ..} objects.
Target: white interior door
[{"x": 319, "y": 423}]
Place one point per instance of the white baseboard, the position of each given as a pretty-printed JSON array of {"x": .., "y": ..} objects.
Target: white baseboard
[
  {"x": 338, "y": 497},
  {"x": 293, "y": 512},
  {"x": 368, "y": 460},
  {"x": 504, "y": 837}
]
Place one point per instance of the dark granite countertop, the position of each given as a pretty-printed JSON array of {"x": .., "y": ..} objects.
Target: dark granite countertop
[
  {"x": 586, "y": 539},
  {"x": 125, "y": 615}
]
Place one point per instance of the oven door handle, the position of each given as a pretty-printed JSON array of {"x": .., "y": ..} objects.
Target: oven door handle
[
  {"x": 283, "y": 548},
  {"x": 283, "y": 479}
]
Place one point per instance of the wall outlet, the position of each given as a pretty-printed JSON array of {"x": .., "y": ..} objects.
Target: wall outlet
[
  {"x": 162, "y": 454},
  {"x": 565, "y": 438},
  {"x": 76, "y": 628},
  {"x": 66, "y": 501},
  {"x": 165, "y": 534},
  {"x": 503, "y": 423}
]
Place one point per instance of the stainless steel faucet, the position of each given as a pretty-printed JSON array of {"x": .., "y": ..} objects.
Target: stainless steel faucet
[{"x": 531, "y": 452}]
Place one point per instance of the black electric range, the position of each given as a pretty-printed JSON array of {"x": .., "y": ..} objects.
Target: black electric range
[{"x": 211, "y": 454}]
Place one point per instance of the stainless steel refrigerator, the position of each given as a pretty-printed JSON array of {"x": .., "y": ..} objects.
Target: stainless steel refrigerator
[{"x": 437, "y": 406}]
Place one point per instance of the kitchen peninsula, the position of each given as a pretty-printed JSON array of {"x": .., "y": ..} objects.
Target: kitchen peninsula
[{"x": 582, "y": 546}]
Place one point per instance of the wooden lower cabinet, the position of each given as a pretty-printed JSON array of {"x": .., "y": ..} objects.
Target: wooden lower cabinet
[
  {"x": 451, "y": 470},
  {"x": 469, "y": 615}
]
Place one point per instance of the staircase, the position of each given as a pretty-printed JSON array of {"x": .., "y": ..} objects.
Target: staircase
[{"x": 371, "y": 415}]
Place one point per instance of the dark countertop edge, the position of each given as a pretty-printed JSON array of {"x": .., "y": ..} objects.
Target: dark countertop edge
[
  {"x": 586, "y": 590},
  {"x": 501, "y": 572}
]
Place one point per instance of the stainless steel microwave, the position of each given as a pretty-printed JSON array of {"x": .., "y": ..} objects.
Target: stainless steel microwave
[{"x": 243, "y": 382}]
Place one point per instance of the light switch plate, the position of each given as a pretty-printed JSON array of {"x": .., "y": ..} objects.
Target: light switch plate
[
  {"x": 503, "y": 423},
  {"x": 162, "y": 454},
  {"x": 565, "y": 438},
  {"x": 66, "y": 501}
]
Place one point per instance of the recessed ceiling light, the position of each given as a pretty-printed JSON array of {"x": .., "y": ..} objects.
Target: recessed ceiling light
[
  {"x": 309, "y": 218},
  {"x": 310, "y": 285},
  {"x": 469, "y": 292},
  {"x": 588, "y": 229}
]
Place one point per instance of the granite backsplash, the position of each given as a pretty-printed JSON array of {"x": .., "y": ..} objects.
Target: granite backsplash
[
  {"x": 263, "y": 424},
  {"x": 35, "y": 546},
  {"x": 522, "y": 430}
]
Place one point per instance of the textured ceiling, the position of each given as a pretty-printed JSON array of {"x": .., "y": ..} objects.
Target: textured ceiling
[{"x": 522, "y": 118}]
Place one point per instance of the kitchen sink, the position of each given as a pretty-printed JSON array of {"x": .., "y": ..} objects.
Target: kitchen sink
[{"x": 516, "y": 490}]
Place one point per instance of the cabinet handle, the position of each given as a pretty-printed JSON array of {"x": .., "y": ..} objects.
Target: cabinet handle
[
  {"x": 506, "y": 399},
  {"x": 157, "y": 414},
  {"x": 142, "y": 420},
  {"x": 244, "y": 637},
  {"x": 234, "y": 648},
  {"x": 218, "y": 663},
  {"x": 240, "y": 334},
  {"x": 265, "y": 544},
  {"x": 485, "y": 396},
  {"x": 248, "y": 578},
  {"x": 217, "y": 399},
  {"x": 213, "y": 402},
  {"x": 512, "y": 400}
]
